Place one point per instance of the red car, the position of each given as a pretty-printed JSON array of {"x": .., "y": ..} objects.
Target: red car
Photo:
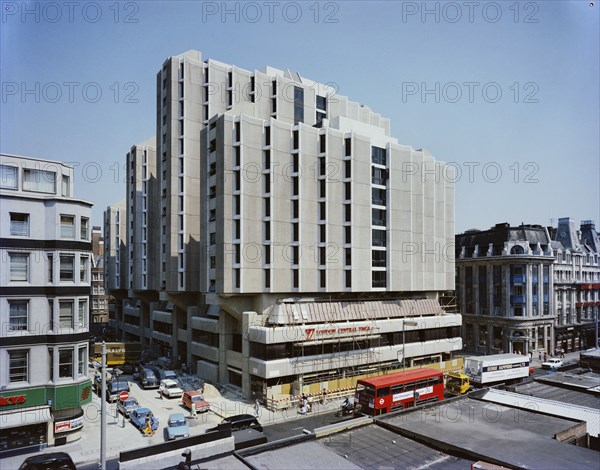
[{"x": 198, "y": 400}]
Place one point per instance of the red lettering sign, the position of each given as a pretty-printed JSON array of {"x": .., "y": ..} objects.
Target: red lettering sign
[{"x": 14, "y": 400}]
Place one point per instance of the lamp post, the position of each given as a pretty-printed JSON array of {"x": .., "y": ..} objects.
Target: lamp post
[
  {"x": 404, "y": 323},
  {"x": 103, "y": 411}
]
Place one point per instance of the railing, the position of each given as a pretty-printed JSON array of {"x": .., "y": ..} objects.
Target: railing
[{"x": 295, "y": 401}]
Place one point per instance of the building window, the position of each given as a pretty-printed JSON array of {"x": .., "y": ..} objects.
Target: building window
[
  {"x": 295, "y": 278},
  {"x": 267, "y": 278},
  {"x": 379, "y": 279},
  {"x": 378, "y": 217},
  {"x": 18, "y": 315},
  {"x": 379, "y": 238},
  {"x": 323, "y": 278},
  {"x": 85, "y": 224},
  {"x": 348, "y": 275},
  {"x": 67, "y": 226},
  {"x": 19, "y": 266},
  {"x": 65, "y": 314},
  {"x": 83, "y": 268},
  {"x": 8, "y": 177},
  {"x": 236, "y": 273},
  {"x": 379, "y": 259},
  {"x": 39, "y": 181},
  {"x": 298, "y": 105},
  {"x": 83, "y": 310},
  {"x": 378, "y": 197},
  {"x": 65, "y": 363},
  {"x": 19, "y": 224},
  {"x": 81, "y": 360},
  {"x": 67, "y": 267},
  {"x": 50, "y": 257},
  {"x": 18, "y": 365},
  {"x": 65, "y": 186},
  {"x": 378, "y": 156}
]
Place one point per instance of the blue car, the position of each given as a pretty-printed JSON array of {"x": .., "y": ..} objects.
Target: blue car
[
  {"x": 177, "y": 426},
  {"x": 138, "y": 418}
]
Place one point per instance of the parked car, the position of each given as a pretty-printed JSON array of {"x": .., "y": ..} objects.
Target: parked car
[
  {"x": 138, "y": 417},
  {"x": 127, "y": 406},
  {"x": 167, "y": 374},
  {"x": 147, "y": 378},
  {"x": 177, "y": 426},
  {"x": 170, "y": 388},
  {"x": 52, "y": 460},
  {"x": 238, "y": 422},
  {"x": 553, "y": 363},
  {"x": 193, "y": 397},
  {"x": 114, "y": 388}
]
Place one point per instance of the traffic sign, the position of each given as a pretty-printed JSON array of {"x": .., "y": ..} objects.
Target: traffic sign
[{"x": 123, "y": 396}]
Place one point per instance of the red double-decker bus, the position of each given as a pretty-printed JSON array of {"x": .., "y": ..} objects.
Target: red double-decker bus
[{"x": 385, "y": 393}]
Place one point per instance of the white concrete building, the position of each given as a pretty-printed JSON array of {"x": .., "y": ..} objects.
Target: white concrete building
[
  {"x": 277, "y": 191},
  {"x": 46, "y": 252}
]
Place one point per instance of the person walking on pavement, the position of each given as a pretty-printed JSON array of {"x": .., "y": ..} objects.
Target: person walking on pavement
[
  {"x": 545, "y": 357},
  {"x": 540, "y": 356},
  {"x": 193, "y": 411},
  {"x": 256, "y": 408}
]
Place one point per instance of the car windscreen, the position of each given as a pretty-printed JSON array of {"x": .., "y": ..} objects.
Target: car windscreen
[{"x": 177, "y": 422}]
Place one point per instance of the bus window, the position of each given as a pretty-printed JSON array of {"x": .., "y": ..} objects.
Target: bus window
[
  {"x": 364, "y": 390},
  {"x": 383, "y": 392}
]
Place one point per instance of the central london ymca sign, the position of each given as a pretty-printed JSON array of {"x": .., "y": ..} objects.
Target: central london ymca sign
[{"x": 312, "y": 333}]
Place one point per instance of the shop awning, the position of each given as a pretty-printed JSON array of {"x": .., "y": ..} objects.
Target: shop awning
[{"x": 25, "y": 417}]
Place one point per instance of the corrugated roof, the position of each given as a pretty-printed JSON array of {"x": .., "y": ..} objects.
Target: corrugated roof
[
  {"x": 541, "y": 405},
  {"x": 322, "y": 312}
]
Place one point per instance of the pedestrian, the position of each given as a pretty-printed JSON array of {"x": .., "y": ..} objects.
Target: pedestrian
[
  {"x": 562, "y": 353},
  {"x": 256, "y": 408},
  {"x": 193, "y": 411},
  {"x": 545, "y": 356},
  {"x": 531, "y": 355},
  {"x": 148, "y": 427},
  {"x": 540, "y": 356},
  {"x": 153, "y": 424}
]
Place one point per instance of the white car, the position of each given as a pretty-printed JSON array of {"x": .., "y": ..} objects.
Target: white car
[
  {"x": 552, "y": 363},
  {"x": 170, "y": 388}
]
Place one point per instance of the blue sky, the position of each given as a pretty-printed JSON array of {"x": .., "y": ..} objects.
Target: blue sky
[{"x": 508, "y": 92}]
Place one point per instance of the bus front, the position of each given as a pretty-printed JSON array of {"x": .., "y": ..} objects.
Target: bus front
[{"x": 364, "y": 399}]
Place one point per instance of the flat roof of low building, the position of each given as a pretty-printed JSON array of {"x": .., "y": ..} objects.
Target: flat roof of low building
[
  {"x": 551, "y": 392},
  {"x": 494, "y": 433},
  {"x": 551, "y": 407},
  {"x": 365, "y": 447},
  {"x": 588, "y": 381}
]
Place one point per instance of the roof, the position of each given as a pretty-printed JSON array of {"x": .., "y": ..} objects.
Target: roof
[
  {"x": 406, "y": 376},
  {"x": 287, "y": 313},
  {"x": 589, "y": 381},
  {"x": 565, "y": 395},
  {"x": 551, "y": 407},
  {"x": 494, "y": 433}
]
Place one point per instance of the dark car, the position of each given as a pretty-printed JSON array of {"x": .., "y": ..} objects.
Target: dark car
[
  {"x": 167, "y": 374},
  {"x": 237, "y": 423},
  {"x": 114, "y": 388},
  {"x": 50, "y": 461},
  {"x": 148, "y": 379}
]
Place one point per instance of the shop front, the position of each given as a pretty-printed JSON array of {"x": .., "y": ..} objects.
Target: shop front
[
  {"x": 34, "y": 418},
  {"x": 25, "y": 430}
]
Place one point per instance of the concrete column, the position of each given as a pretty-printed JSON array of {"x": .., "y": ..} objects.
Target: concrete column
[
  {"x": 223, "y": 374},
  {"x": 490, "y": 342},
  {"x": 506, "y": 289},
  {"x": 490, "y": 287},
  {"x": 248, "y": 319},
  {"x": 461, "y": 287},
  {"x": 476, "y": 307},
  {"x": 545, "y": 327},
  {"x": 528, "y": 291}
]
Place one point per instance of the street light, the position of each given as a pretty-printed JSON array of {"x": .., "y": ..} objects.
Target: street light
[{"x": 404, "y": 323}]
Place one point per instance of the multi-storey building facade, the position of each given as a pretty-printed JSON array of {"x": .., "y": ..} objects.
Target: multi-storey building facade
[
  {"x": 577, "y": 284},
  {"x": 98, "y": 297},
  {"x": 504, "y": 288},
  {"x": 115, "y": 260},
  {"x": 528, "y": 288},
  {"x": 45, "y": 245},
  {"x": 290, "y": 220}
]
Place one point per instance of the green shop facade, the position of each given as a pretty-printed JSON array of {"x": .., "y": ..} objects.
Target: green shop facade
[{"x": 37, "y": 417}]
